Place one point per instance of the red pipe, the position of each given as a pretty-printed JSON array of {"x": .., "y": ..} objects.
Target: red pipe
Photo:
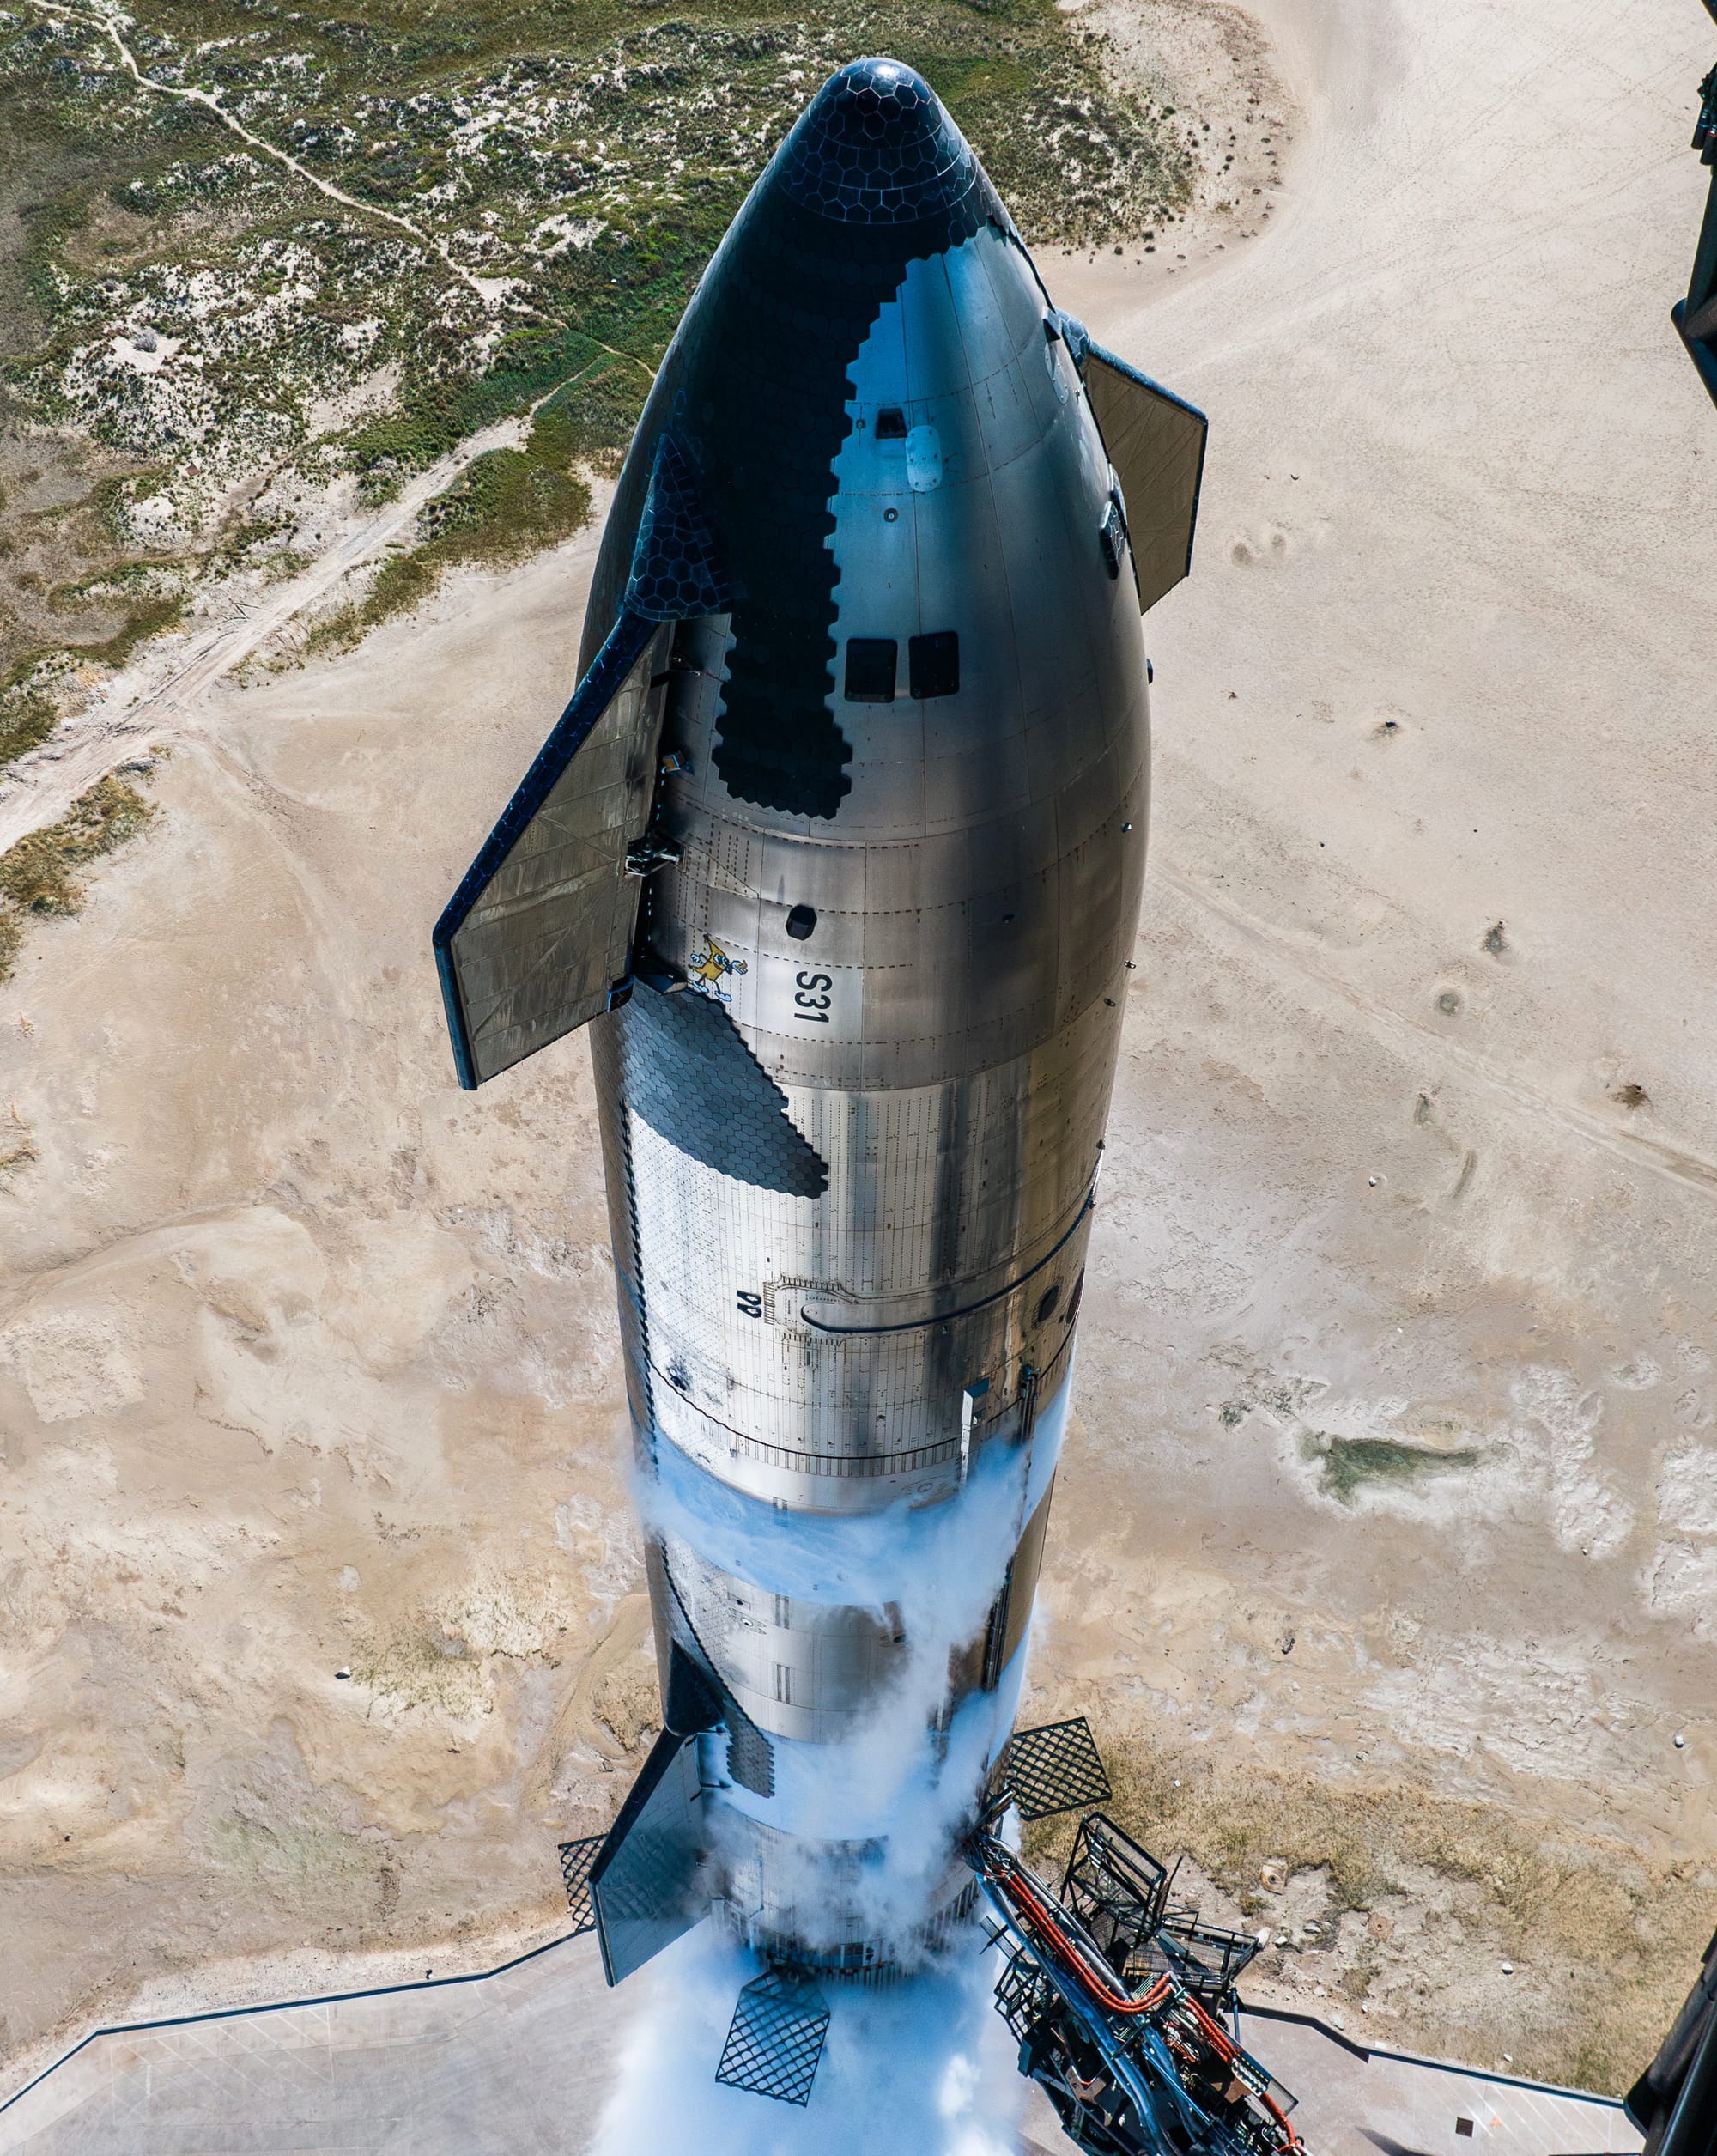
[{"x": 1119, "y": 2003}]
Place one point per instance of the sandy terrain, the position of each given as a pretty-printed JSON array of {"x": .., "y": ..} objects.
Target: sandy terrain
[{"x": 1395, "y": 1478}]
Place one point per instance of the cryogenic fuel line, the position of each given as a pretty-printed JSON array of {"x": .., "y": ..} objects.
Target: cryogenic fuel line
[{"x": 1162, "y": 2044}]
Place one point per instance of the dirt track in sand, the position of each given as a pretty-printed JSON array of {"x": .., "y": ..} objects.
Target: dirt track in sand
[{"x": 1399, "y": 1336}]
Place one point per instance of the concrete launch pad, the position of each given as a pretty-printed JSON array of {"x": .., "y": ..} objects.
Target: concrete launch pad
[
  {"x": 1354, "y": 2101},
  {"x": 519, "y": 2061}
]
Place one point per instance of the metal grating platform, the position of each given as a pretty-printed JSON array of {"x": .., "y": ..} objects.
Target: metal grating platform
[
  {"x": 776, "y": 2039},
  {"x": 1053, "y": 1768},
  {"x": 576, "y": 1859},
  {"x": 1116, "y": 1889},
  {"x": 1208, "y": 1958}
]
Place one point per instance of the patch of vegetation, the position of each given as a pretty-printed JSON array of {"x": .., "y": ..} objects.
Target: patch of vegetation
[
  {"x": 143, "y": 620},
  {"x": 539, "y": 184},
  {"x": 1348, "y": 1464},
  {"x": 15, "y": 1154},
  {"x": 589, "y": 419},
  {"x": 627, "y": 1703},
  {"x": 503, "y": 508},
  {"x": 411, "y": 1668},
  {"x": 39, "y": 874},
  {"x": 1613, "y": 1941},
  {"x": 79, "y": 591},
  {"x": 27, "y": 719},
  {"x": 439, "y": 1661}
]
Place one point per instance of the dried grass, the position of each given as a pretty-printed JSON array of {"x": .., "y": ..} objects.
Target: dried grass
[
  {"x": 40, "y": 873},
  {"x": 1605, "y": 1943}
]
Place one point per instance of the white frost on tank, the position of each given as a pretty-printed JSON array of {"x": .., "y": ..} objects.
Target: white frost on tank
[{"x": 937, "y": 1568}]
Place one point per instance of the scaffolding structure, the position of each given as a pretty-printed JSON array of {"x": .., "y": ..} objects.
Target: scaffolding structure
[{"x": 1117, "y": 1997}]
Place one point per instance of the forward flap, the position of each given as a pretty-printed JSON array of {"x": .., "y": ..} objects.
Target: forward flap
[
  {"x": 1156, "y": 442},
  {"x": 539, "y": 933}
]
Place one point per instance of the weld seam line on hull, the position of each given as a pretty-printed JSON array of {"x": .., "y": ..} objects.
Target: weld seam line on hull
[
  {"x": 859, "y": 1465},
  {"x": 947, "y": 1317}
]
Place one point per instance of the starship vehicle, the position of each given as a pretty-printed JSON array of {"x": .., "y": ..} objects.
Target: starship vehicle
[
  {"x": 1695, "y": 316},
  {"x": 838, "y": 848}
]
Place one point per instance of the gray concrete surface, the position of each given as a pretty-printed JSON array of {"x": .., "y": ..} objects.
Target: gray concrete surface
[
  {"x": 1352, "y": 2103},
  {"x": 519, "y": 2061},
  {"x": 516, "y": 2061}
]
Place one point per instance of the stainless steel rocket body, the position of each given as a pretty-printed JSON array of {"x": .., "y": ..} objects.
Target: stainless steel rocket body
[
  {"x": 854, "y": 1091},
  {"x": 944, "y": 1023}
]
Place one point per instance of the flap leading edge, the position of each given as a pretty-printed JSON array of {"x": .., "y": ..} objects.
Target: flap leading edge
[
  {"x": 539, "y": 932},
  {"x": 1156, "y": 442}
]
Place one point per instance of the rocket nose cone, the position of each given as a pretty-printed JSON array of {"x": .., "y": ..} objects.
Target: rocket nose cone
[{"x": 875, "y": 146}]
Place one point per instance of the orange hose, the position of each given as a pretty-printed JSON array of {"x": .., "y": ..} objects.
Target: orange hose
[{"x": 1116, "y": 2002}]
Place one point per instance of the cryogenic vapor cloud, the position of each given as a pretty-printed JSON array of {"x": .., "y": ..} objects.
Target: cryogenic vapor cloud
[{"x": 923, "y": 2066}]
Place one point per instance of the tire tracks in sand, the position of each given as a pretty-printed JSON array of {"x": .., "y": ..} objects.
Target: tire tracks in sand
[
  {"x": 41, "y": 786},
  {"x": 1282, "y": 950}
]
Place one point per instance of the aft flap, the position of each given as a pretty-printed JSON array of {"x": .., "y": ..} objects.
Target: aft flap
[
  {"x": 1695, "y": 316},
  {"x": 1156, "y": 442},
  {"x": 540, "y": 932},
  {"x": 648, "y": 1885}
]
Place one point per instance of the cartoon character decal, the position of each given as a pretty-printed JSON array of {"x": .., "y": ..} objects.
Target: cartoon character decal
[{"x": 707, "y": 967}]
